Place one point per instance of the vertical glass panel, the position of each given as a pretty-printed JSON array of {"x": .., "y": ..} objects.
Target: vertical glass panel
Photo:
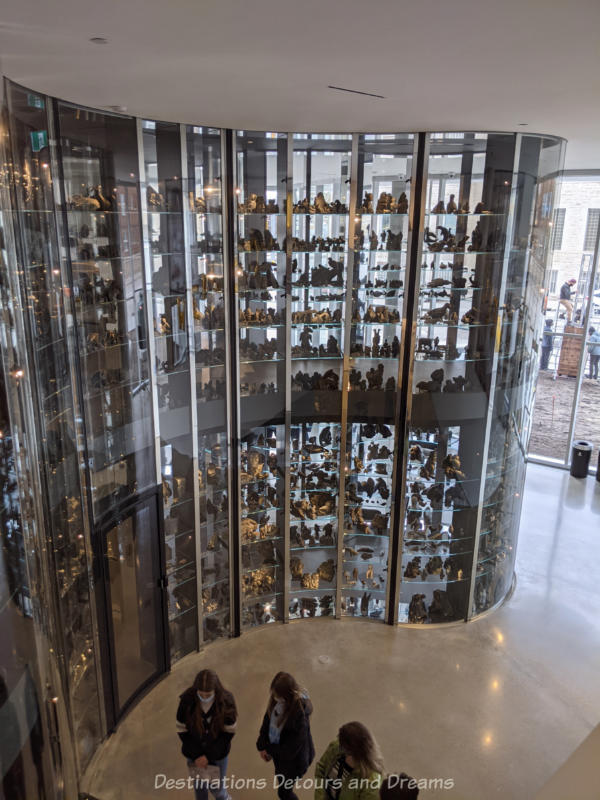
[
  {"x": 314, "y": 507},
  {"x": 132, "y": 556},
  {"x": 464, "y": 245},
  {"x": 205, "y": 230},
  {"x": 378, "y": 271},
  {"x": 261, "y": 170},
  {"x": 164, "y": 232},
  {"x": 50, "y": 327},
  {"x": 101, "y": 193},
  {"x": 511, "y": 422},
  {"x": 562, "y": 340},
  {"x": 25, "y": 740},
  {"x": 321, "y": 259}
]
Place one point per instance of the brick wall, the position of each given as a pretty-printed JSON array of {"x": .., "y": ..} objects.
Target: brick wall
[{"x": 576, "y": 197}]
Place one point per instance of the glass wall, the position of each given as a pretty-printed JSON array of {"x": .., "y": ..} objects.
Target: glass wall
[
  {"x": 568, "y": 392},
  {"x": 276, "y": 376},
  {"x": 37, "y": 753},
  {"x": 510, "y": 422}
]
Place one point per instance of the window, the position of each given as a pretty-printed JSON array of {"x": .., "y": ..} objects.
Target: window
[
  {"x": 591, "y": 229},
  {"x": 553, "y": 280},
  {"x": 558, "y": 227}
]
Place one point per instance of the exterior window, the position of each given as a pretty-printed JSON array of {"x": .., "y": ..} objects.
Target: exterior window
[
  {"x": 591, "y": 228},
  {"x": 558, "y": 228},
  {"x": 553, "y": 281}
]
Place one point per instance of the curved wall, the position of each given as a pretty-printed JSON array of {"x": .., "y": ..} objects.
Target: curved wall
[{"x": 275, "y": 376}]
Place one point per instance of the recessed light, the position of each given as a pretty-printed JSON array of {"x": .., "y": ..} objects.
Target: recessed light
[
  {"x": 523, "y": 123},
  {"x": 118, "y": 109},
  {"x": 99, "y": 40}
]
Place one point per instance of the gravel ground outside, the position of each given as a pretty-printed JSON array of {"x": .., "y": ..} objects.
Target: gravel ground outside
[{"x": 552, "y": 415}]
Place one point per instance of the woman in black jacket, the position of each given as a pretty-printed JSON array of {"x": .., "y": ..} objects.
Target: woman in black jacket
[
  {"x": 207, "y": 717},
  {"x": 285, "y": 734}
]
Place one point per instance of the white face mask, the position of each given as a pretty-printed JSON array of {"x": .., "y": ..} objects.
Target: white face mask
[{"x": 206, "y": 700}]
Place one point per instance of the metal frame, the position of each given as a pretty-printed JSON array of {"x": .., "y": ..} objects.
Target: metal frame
[
  {"x": 289, "y": 207},
  {"x": 583, "y": 352},
  {"x": 148, "y": 300},
  {"x": 232, "y": 339},
  {"x": 187, "y": 214},
  {"x": 345, "y": 381}
]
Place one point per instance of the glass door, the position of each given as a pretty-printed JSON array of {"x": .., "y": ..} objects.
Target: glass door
[{"x": 134, "y": 602}]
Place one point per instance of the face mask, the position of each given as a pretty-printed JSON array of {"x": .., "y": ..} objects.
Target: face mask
[{"x": 206, "y": 700}]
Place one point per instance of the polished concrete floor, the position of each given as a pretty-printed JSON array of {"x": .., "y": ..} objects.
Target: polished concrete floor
[{"x": 496, "y": 705}]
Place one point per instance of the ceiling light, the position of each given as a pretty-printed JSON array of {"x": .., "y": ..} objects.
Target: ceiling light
[
  {"x": 98, "y": 40},
  {"x": 523, "y": 123}
]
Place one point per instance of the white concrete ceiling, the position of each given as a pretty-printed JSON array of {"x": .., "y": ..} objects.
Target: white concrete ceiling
[{"x": 266, "y": 64}]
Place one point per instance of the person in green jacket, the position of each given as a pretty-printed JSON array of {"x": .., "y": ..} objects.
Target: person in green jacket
[{"x": 351, "y": 768}]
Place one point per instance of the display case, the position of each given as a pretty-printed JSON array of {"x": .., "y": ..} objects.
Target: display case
[
  {"x": 321, "y": 257},
  {"x": 380, "y": 259},
  {"x": 209, "y": 289},
  {"x": 164, "y": 203},
  {"x": 466, "y": 206},
  {"x": 316, "y": 352},
  {"x": 260, "y": 265},
  {"x": 49, "y": 325},
  {"x": 100, "y": 170}
]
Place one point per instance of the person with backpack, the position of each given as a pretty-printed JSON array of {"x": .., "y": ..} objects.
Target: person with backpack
[
  {"x": 207, "y": 717},
  {"x": 285, "y": 736},
  {"x": 351, "y": 768}
]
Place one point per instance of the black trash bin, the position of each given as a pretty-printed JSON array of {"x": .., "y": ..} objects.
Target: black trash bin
[{"x": 580, "y": 458}]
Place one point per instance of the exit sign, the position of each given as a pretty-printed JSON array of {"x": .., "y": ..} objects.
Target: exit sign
[
  {"x": 34, "y": 101},
  {"x": 39, "y": 139}
]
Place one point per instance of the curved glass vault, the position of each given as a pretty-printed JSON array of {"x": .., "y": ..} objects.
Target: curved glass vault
[{"x": 266, "y": 376}]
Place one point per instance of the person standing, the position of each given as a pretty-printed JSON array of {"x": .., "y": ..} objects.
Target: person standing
[
  {"x": 351, "y": 768},
  {"x": 285, "y": 736},
  {"x": 566, "y": 291},
  {"x": 547, "y": 344},
  {"x": 207, "y": 717},
  {"x": 594, "y": 351}
]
